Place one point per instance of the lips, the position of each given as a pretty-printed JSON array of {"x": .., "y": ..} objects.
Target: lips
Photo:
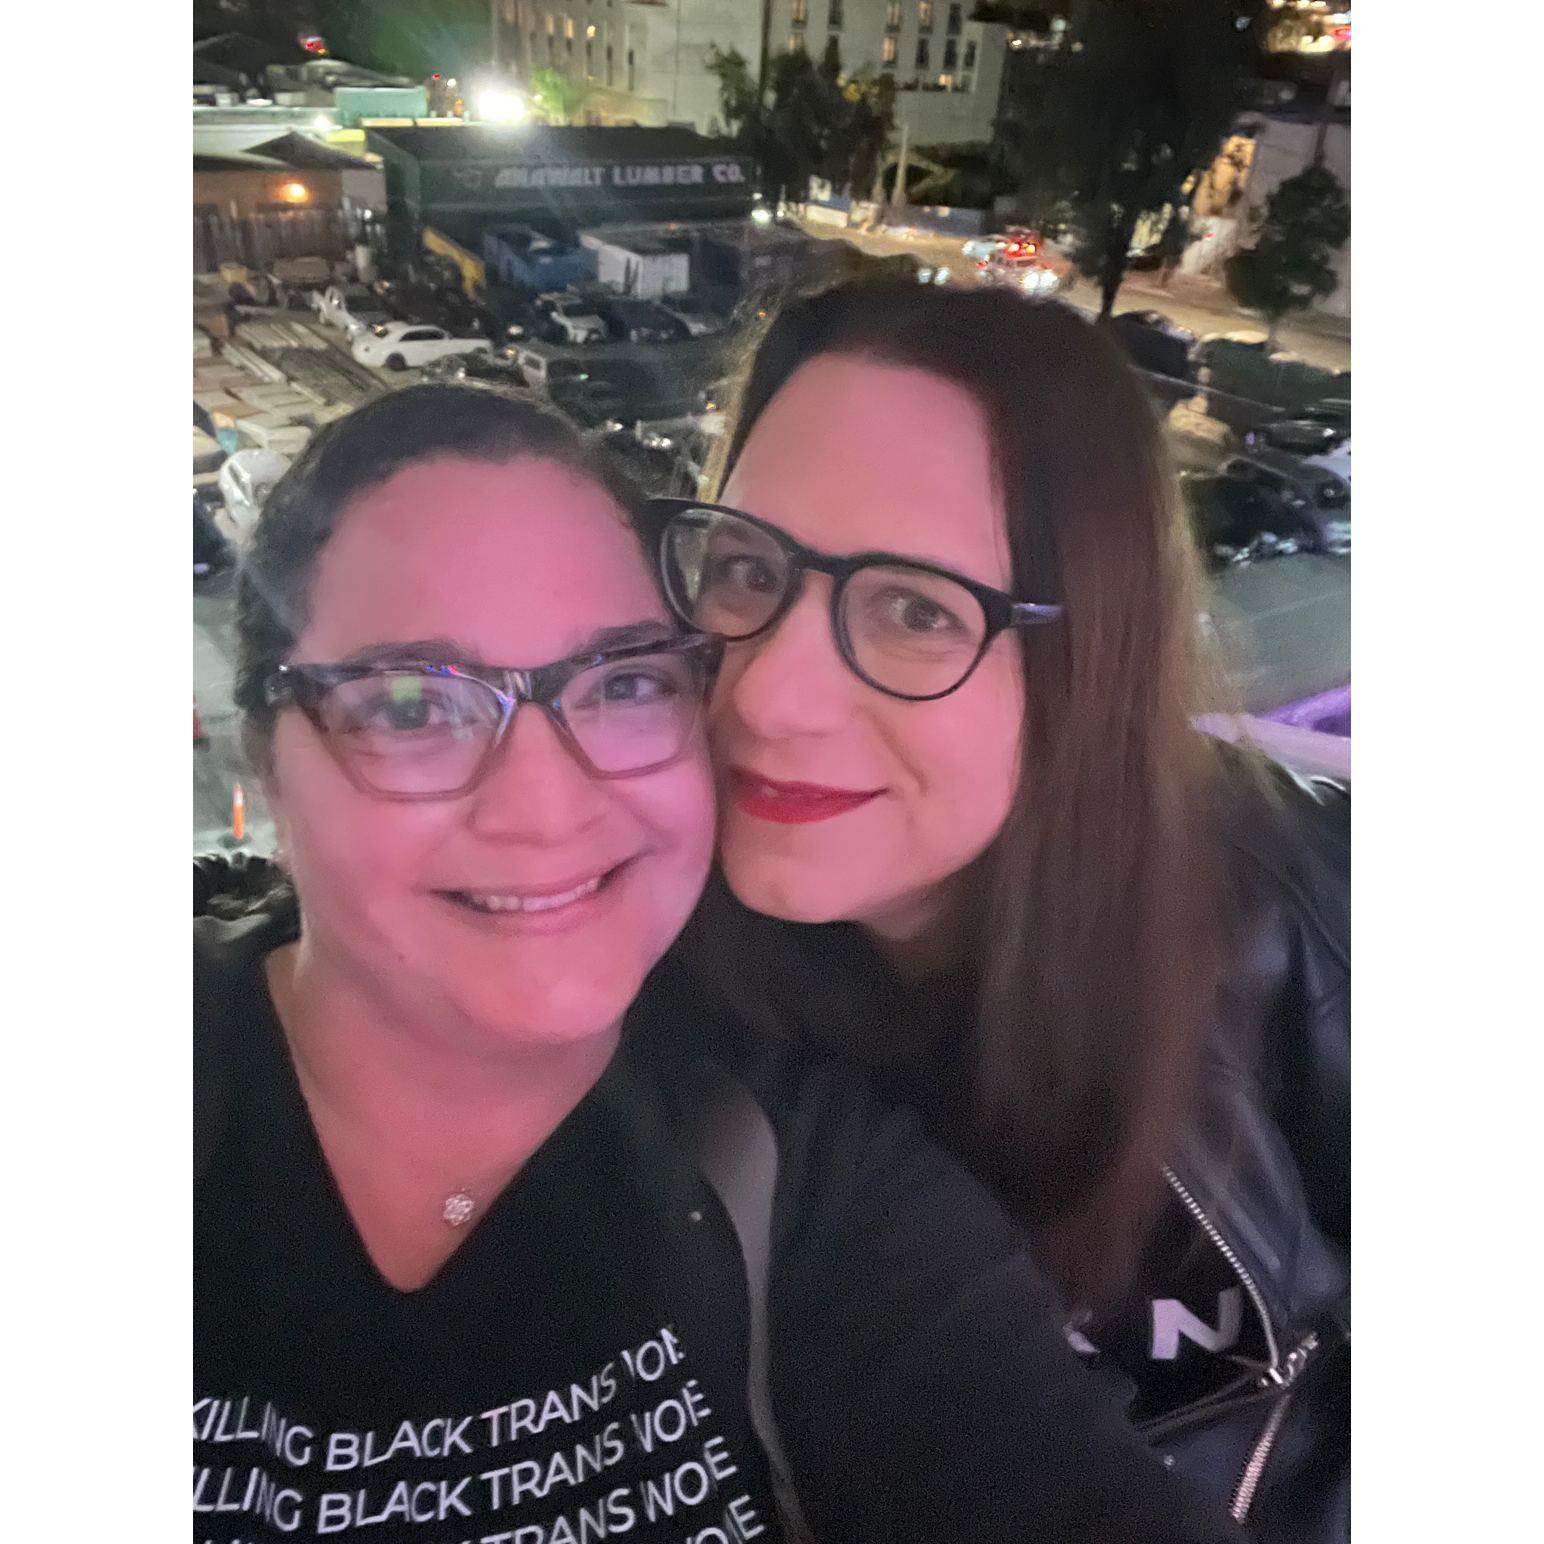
[{"x": 792, "y": 803}]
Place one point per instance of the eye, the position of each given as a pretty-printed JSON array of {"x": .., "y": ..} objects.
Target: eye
[
  {"x": 910, "y": 612},
  {"x": 742, "y": 571},
  {"x": 402, "y": 705},
  {"x": 629, "y": 686}
]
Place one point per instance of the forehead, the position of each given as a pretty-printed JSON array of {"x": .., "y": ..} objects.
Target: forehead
[
  {"x": 854, "y": 454},
  {"x": 517, "y": 560}
]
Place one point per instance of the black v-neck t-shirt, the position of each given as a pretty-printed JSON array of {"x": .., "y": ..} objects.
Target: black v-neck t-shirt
[
  {"x": 576, "y": 1371},
  {"x": 559, "y": 1379}
]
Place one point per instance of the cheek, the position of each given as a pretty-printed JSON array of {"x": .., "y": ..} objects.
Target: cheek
[
  {"x": 341, "y": 843},
  {"x": 965, "y": 755}
]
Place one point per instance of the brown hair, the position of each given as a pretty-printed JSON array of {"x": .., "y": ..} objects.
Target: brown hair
[{"x": 1100, "y": 907}]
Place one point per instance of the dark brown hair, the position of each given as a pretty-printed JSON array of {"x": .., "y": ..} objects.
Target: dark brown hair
[
  {"x": 362, "y": 451},
  {"x": 1098, "y": 913}
]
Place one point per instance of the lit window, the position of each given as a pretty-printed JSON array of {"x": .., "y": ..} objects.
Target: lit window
[
  {"x": 893, "y": 16},
  {"x": 887, "y": 53},
  {"x": 591, "y": 30},
  {"x": 552, "y": 24},
  {"x": 801, "y": 12},
  {"x": 796, "y": 42},
  {"x": 568, "y": 28},
  {"x": 946, "y": 82},
  {"x": 925, "y": 15},
  {"x": 922, "y": 53}
]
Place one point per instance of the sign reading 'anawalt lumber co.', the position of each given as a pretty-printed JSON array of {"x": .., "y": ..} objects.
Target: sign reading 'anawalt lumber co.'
[{"x": 685, "y": 174}]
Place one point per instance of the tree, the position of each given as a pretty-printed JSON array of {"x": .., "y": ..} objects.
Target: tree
[
  {"x": 738, "y": 97},
  {"x": 1124, "y": 121},
  {"x": 556, "y": 96},
  {"x": 1305, "y": 222},
  {"x": 790, "y": 133}
]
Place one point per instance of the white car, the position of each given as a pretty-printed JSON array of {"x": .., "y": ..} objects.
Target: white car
[
  {"x": 571, "y": 318},
  {"x": 351, "y": 308},
  {"x": 396, "y": 345},
  {"x": 695, "y": 317},
  {"x": 246, "y": 479}
]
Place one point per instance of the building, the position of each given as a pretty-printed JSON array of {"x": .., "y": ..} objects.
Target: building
[
  {"x": 645, "y": 61},
  {"x": 464, "y": 178},
  {"x": 289, "y": 196}
]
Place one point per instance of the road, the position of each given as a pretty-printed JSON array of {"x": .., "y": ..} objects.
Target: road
[{"x": 1199, "y": 304}]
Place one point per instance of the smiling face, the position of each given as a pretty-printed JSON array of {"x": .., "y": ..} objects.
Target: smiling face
[
  {"x": 512, "y": 564},
  {"x": 892, "y": 798}
]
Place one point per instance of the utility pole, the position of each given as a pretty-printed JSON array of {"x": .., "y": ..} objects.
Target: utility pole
[
  {"x": 898, "y": 198},
  {"x": 766, "y": 49}
]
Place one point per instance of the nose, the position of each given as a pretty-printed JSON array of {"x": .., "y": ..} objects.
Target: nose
[
  {"x": 536, "y": 791},
  {"x": 791, "y": 681}
]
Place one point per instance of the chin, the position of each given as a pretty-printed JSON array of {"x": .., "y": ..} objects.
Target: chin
[{"x": 795, "y": 897}]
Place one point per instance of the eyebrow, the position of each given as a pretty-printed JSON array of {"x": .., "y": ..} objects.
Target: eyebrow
[{"x": 446, "y": 651}]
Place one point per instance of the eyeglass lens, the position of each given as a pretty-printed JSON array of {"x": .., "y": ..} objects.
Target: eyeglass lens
[
  {"x": 906, "y": 630},
  {"x": 406, "y": 732}
]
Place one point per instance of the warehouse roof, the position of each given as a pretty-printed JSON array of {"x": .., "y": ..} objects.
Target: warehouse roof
[{"x": 452, "y": 143}]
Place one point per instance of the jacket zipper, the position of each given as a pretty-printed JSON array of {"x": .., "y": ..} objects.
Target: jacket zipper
[
  {"x": 1191, "y": 1205},
  {"x": 1249, "y": 1481}
]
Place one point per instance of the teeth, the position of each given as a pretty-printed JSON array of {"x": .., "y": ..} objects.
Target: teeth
[{"x": 534, "y": 902}]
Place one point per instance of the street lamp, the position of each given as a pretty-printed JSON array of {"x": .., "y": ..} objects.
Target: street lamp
[{"x": 498, "y": 104}]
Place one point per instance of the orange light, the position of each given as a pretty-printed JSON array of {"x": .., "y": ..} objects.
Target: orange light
[{"x": 295, "y": 192}]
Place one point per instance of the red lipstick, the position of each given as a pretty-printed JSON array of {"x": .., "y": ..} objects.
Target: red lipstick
[{"x": 791, "y": 803}]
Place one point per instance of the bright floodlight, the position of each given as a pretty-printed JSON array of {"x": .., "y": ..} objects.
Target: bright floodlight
[
  {"x": 762, "y": 216},
  {"x": 496, "y": 105}
]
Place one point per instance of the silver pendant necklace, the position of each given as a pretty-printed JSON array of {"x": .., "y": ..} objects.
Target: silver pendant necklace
[{"x": 458, "y": 1208}]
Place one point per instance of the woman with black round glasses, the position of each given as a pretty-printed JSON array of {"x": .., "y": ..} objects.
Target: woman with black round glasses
[
  {"x": 972, "y": 841},
  {"x": 471, "y": 1262}
]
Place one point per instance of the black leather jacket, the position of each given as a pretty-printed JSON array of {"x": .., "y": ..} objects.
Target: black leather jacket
[
  {"x": 1274, "y": 1194},
  {"x": 1262, "y": 1174}
]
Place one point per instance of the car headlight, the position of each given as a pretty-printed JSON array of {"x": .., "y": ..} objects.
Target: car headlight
[{"x": 1338, "y": 531}]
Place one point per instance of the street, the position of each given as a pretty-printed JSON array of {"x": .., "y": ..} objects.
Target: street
[{"x": 1199, "y": 304}]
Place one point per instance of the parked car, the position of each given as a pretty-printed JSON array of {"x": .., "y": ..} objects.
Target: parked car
[
  {"x": 569, "y": 319},
  {"x": 699, "y": 320},
  {"x": 639, "y": 321},
  {"x": 1319, "y": 495},
  {"x": 351, "y": 308},
  {"x": 246, "y": 479},
  {"x": 1152, "y": 342},
  {"x": 411, "y": 301},
  {"x": 594, "y": 404},
  {"x": 511, "y": 312},
  {"x": 542, "y": 370},
  {"x": 396, "y": 345},
  {"x": 499, "y": 368},
  {"x": 1310, "y": 441},
  {"x": 1236, "y": 520}
]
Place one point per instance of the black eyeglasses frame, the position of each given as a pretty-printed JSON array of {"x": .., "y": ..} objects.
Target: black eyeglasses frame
[{"x": 1000, "y": 609}]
